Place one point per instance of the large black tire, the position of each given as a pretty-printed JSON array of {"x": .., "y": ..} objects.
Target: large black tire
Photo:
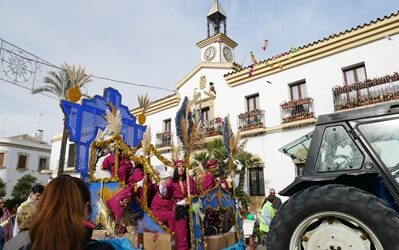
[{"x": 366, "y": 208}]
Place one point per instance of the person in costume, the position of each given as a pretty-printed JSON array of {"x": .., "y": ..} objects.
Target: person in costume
[
  {"x": 124, "y": 169},
  {"x": 162, "y": 204},
  {"x": 181, "y": 203},
  {"x": 210, "y": 178}
]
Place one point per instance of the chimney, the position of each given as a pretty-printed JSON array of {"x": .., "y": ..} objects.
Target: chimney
[{"x": 39, "y": 134}]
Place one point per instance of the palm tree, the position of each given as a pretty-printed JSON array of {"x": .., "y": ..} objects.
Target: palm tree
[
  {"x": 58, "y": 83},
  {"x": 247, "y": 160}
]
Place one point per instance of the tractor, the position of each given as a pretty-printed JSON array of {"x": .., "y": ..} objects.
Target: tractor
[{"x": 346, "y": 192}]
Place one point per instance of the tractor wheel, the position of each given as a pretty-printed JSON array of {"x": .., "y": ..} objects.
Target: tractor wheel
[{"x": 334, "y": 217}]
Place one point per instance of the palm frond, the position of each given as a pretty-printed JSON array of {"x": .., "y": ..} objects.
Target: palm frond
[
  {"x": 144, "y": 102},
  {"x": 146, "y": 141},
  {"x": 78, "y": 76}
]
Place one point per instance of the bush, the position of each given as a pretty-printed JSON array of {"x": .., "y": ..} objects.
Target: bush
[{"x": 23, "y": 187}]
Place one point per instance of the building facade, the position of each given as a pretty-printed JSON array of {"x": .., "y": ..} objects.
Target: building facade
[
  {"x": 277, "y": 100},
  {"x": 21, "y": 155},
  {"x": 274, "y": 101}
]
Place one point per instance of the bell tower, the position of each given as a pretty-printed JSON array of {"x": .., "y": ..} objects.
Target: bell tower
[
  {"x": 216, "y": 17},
  {"x": 217, "y": 47}
]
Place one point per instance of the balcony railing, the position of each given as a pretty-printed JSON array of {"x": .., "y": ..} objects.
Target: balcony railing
[
  {"x": 297, "y": 110},
  {"x": 212, "y": 127},
  {"x": 163, "y": 139},
  {"x": 251, "y": 120},
  {"x": 358, "y": 94}
]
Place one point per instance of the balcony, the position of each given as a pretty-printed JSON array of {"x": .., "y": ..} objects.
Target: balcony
[
  {"x": 212, "y": 127},
  {"x": 359, "y": 94},
  {"x": 251, "y": 120},
  {"x": 163, "y": 139},
  {"x": 297, "y": 110}
]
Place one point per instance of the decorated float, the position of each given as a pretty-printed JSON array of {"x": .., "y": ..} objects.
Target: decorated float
[{"x": 114, "y": 157}]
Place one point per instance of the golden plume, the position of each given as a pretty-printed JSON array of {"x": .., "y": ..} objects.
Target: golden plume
[
  {"x": 113, "y": 119},
  {"x": 77, "y": 76},
  {"x": 146, "y": 141},
  {"x": 106, "y": 219},
  {"x": 144, "y": 102}
]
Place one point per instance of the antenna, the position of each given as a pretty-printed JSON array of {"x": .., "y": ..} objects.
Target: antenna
[{"x": 40, "y": 120}]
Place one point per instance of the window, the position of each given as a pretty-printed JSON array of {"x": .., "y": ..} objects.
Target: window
[
  {"x": 338, "y": 151},
  {"x": 383, "y": 137},
  {"x": 205, "y": 114},
  {"x": 71, "y": 155},
  {"x": 256, "y": 182},
  {"x": 354, "y": 73},
  {"x": 298, "y": 90},
  {"x": 167, "y": 125},
  {"x": 22, "y": 160},
  {"x": 252, "y": 102},
  {"x": 42, "y": 163},
  {"x": 2, "y": 159}
]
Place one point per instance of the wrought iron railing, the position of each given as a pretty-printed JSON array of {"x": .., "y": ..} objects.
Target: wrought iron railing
[
  {"x": 251, "y": 120},
  {"x": 212, "y": 127},
  {"x": 297, "y": 110},
  {"x": 163, "y": 139},
  {"x": 358, "y": 94}
]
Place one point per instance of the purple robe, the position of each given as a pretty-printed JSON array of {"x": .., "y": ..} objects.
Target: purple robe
[
  {"x": 181, "y": 226},
  {"x": 162, "y": 207}
]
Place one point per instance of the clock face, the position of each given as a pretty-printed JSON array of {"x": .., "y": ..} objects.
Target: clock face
[
  {"x": 209, "y": 53},
  {"x": 227, "y": 53}
]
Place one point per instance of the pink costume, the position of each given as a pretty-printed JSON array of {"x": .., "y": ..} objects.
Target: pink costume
[
  {"x": 8, "y": 230},
  {"x": 181, "y": 225},
  {"x": 125, "y": 166},
  {"x": 162, "y": 206},
  {"x": 115, "y": 202}
]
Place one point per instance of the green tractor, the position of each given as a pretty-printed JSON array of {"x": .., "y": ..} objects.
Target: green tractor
[{"x": 346, "y": 193}]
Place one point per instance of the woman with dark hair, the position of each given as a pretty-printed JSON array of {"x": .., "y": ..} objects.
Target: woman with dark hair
[
  {"x": 60, "y": 219},
  {"x": 179, "y": 196}
]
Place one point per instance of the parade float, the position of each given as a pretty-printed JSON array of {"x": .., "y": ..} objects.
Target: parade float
[{"x": 102, "y": 127}]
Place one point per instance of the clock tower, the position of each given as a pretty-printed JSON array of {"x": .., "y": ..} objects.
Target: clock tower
[{"x": 217, "y": 47}]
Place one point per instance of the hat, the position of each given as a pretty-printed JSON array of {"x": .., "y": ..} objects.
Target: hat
[
  {"x": 178, "y": 162},
  {"x": 164, "y": 175},
  {"x": 211, "y": 164}
]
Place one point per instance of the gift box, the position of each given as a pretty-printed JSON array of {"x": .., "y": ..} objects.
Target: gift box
[
  {"x": 215, "y": 242},
  {"x": 135, "y": 239},
  {"x": 99, "y": 234},
  {"x": 159, "y": 241},
  {"x": 230, "y": 238}
]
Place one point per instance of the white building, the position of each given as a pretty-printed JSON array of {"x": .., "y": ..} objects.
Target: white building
[
  {"x": 21, "y": 155},
  {"x": 277, "y": 100}
]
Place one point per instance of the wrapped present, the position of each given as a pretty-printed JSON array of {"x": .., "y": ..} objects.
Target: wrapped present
[
  {"x": 230, "y": 238},
  {"x": 215, "y": 242},
  {"x": 159, "y": 241},
  {"x": 99, "y": 234}
]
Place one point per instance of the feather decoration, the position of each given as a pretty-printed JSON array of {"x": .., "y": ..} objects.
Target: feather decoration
[
  {"x": 226, "y": 136},
  {"x": 179, "y": 120},
  {"x": 77, "y": 76},
  {"x": 199, "y": 173},
  {"x": 234, "y": 147},
  {"x": 144, "y": 102},
  {"x": 146, "y": 141},
  {"x": 175, "y": 151},
  {"x": 113, "y": 119},
  {"x": 105, "y": 217}
]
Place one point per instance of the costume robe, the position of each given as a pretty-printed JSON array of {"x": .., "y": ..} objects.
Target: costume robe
[{"x": 162, "y": 206}]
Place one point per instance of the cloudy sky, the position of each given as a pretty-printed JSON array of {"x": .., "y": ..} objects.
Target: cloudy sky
[{"x": 153, "y": 42}]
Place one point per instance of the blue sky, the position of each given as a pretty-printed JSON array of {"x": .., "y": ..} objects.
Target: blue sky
[{"x": 153, "y": 42}]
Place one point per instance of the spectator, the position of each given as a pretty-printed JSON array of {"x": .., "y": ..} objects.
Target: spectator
[
  {"x": 60, "y": 219},
  {"x": 5, "y": 217},
  {"x": 266, "y": 216},
  {"x": 34, "y": 195},
  {"x": 276, "y": 202},
  {"x": 2, "y": 225},
  {"x": 24, "y": 217}
]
